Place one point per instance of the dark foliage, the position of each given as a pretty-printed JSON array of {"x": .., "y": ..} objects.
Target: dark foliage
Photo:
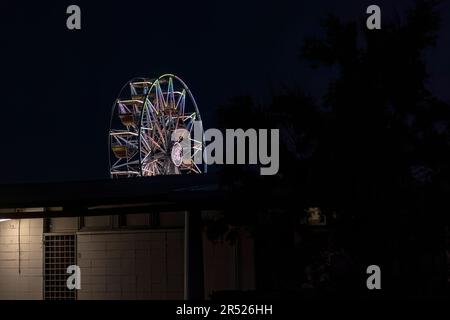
[{"x": 376, "y": 153}]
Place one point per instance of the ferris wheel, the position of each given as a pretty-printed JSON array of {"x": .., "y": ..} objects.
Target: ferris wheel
[{"x": 151, "y": 129}]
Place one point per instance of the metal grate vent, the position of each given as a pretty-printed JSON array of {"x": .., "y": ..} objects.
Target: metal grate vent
[{"x": 59, "y": 253}]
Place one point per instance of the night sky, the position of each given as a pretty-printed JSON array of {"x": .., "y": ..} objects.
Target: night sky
[{"x": 57, "y": 86}]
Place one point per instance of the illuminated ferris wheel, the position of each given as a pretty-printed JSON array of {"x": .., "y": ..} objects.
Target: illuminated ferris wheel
[{"x": 151, "y": 129}]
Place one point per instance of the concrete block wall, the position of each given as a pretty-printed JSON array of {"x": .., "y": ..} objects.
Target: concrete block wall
[
  {"x": 21, "y": 279},
  {"x": 125, "y": 264},
  {"x": 131, "y": 265},
  {"x": 63, "y": 225}
]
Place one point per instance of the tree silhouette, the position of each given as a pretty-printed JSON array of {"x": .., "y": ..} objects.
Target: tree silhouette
[
  {"x": 386, "y": 148},
  {"x": 377, "y": 151}
]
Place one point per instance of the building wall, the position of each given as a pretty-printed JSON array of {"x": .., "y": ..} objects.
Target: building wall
[
  {"x": 120, "y": 263},
  {"x": 62, "y": 225},
  {"x": 229, "y": 267},
  {"x": 21, "y": 278},
  {"x": 131, "y": 265}
]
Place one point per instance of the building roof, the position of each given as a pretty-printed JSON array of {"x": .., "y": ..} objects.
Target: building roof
[
  {"x": 148, "y": 194},
  {"x": 180, "y": 192}
]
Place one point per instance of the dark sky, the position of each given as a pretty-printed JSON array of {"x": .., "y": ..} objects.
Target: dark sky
[{"x": 57, "y": 86}]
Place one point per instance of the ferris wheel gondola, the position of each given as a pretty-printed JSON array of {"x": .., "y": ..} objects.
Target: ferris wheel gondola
[{"x": 150, "y": 131}]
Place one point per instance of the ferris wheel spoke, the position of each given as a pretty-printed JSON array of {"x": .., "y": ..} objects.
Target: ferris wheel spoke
[
  {"x": 132, "y": 89},
  {"x": 170, "y": 94},
  {"x": 196, "y": 150},
  {"x": 146, "y": 116},
  {"x": 196, "y": 142},
  {"x": 157, "y": 167},
  {"x": 145, "y": 152},
  {"x": 196, "y": 146},
  {"x": 181, "y": 101},
  {"x": 159, "y": 129},
  {"x": 145, "y": 143},
  {"x": 168, "y": 123},
  {"x": 151, "y": 158},
  {"x": 190, "y": 126},
  {"x": 148, "y": 170},
  {"x": 148, "y": 112},
  {"x": 189, "y": 120},
  {"x": 192, "y": 168},
  {"x": 126, "y": 164},
  {"x": 146, "y": 157},
  {"x": 162, "y": 165},
  {"x": 156, "y": 144},
  {"x": 151, "y": 170},
  {"x": 197, "y": 169},
  {"x": 117, "y": 162},
  {"x": 123, "y": 108},
  {"x": 180, "y": 107},
  {"x": 122, "y": 141},
  {"x": 160, "y": 101}
]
